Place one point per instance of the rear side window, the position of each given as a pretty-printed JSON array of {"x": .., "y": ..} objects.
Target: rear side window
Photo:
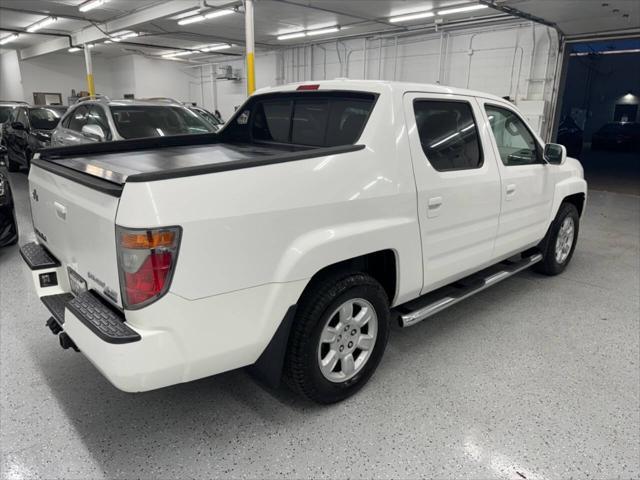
[
  {"x": 448, "y": 134},
  {"x": 321, "y": 119}
]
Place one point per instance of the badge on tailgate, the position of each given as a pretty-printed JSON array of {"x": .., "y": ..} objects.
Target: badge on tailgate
[{"x": 76, "y": 282}]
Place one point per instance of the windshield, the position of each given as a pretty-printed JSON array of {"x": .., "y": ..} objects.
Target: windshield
[
  {"x": 208, "y": 116},
  {"x": 45, "y": 118},
  {"x": 4, "y": 113},
  {"x": 139, "y": 121}
]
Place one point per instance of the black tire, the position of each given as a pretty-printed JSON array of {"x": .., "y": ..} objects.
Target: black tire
[
  {"x": 302, "y": 371},
  {"x": 549, "y": 265}
]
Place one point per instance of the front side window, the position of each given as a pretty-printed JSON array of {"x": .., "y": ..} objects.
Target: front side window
[
  {"x": 448, "y": 134},
  {"x": 22, "y": 117},
  {"x": 516, "y": 144},
  {"x": 96, "y": 116},
  {"x": 77, "y": 118},
  {"x": 140, "y": 121}
]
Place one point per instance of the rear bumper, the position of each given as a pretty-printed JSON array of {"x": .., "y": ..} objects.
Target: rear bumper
[{"x": 176, "y": 340}]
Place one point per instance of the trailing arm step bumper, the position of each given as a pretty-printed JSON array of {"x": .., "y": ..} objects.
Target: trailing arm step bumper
[{"x": 37, "y": 257}]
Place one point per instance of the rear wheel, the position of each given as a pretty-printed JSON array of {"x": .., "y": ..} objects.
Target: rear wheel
[
  {"x": 338, "y": 337},
  {"x": 560, "y": 242}
]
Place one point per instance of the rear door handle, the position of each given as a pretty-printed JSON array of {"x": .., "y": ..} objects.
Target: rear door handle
[
  {"x": 61, "y": 210},
  {"x": 511, "y": 190},
  {"x": 433, "y": 206}
]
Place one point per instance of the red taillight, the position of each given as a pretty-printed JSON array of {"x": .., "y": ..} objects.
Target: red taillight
[
  {"x": 308, "y": 87},
  {"x": 146, "y": 260}
]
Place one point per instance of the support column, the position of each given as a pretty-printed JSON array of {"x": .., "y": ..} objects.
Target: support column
[
  {"x": 250, "y": 46},
  {"x": 89, "y": 66}
]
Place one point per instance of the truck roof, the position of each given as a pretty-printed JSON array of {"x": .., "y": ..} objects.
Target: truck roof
[{"x": 380, "y": 86}]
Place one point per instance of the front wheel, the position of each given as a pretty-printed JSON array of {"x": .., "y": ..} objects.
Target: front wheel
[
  {"x": 338, "y": 338},
  {"x": 560, "y": 242}
]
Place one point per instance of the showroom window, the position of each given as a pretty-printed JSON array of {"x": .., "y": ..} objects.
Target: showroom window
[
  {"x": 516, "y": 144},
  {"x": 448, "y": 134}
]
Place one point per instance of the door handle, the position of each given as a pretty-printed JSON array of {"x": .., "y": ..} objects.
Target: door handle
[
  {"x": 511, "y": 190},
  {"x": 433, "y": 206},
  {"x": 61, "y": 210}
]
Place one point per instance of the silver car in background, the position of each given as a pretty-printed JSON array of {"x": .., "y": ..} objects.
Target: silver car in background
[{"x": 99, "y": 119}]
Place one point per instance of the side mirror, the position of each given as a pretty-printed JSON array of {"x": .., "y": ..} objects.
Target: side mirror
[
  {"x": 94, "y": 132},
  {"x": 554, "y": 153},
  {"x": 17, "y": 125}
]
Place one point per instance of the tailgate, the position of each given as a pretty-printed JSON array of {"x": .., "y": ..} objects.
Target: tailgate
[{"x": 77, "y": 224}]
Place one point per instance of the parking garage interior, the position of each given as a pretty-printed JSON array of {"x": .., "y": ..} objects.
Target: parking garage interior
[{"x": 534, "y": 378}]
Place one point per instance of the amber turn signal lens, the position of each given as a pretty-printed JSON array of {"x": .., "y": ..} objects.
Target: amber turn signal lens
[{"x": 147, "y": 240}]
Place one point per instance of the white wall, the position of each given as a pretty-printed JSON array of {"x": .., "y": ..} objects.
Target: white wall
[
  {"x": 10, "y": 78},
  {"x": 498, "y": 60}
]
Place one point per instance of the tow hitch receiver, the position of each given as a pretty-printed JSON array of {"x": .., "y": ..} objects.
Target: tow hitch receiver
[
  {"x": 66, "y": 342},
  {"x": 54, "y": 326}
]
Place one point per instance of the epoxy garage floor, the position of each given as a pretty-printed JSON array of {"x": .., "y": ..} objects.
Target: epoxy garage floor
[{"x": 536, "y": 378}]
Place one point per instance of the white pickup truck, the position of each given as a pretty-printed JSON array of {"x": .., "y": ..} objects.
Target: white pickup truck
[{"x": 289, "y": 240}]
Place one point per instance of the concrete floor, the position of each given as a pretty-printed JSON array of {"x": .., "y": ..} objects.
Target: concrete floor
[{"x": 536, "y": 378}]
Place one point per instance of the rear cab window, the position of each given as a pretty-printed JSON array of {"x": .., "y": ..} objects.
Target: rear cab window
[{"x": 314, "y": 119}]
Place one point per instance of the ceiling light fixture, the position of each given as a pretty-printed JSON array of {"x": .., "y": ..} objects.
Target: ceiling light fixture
[
  {"x": 186, "y": 14},
  {"x": 322, "y": 31},
  {"x": 205, "y": 16},
  {"x": 41, "y": 24},
  {"x": 411, "y": 16},
  {"x": 74, "y": 49},
  {"x": 213, "y": 48},
  {"x": 182, "y": 53},
  {"x": 91, "y": 4},
  {"x": 10, "y": 38},
  {"x": 288, "y": 36},
  {"x": 468, "y": 8},
  {"x": 310, "y": 33}
]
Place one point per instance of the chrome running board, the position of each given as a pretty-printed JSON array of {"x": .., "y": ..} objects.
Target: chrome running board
[{"x": 433, "y": 302}]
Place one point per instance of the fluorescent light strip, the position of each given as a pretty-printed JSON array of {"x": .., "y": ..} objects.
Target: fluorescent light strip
[
  {"x": 186, "y": 14},
  {"x": 41, "y": 24},
  {"x": 217, "y": 13},
  {"x": 411, "y": 16},
  {"x": 468, "y": 8},
  {"x": 204, "y": 16},
  {"x": 606, "y": 52},
  {"x": 10, "y": 38},
  {"x": 287, "y": 36},
  {"x": 310, "y": 33},
  {"x": 213, "y": 48},
  {"x": 322, "y": 31},
  {"x": 91, "y": 4},
  {"x": 73, "y": 50}
]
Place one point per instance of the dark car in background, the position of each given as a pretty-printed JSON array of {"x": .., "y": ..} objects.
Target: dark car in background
[
  {"x": 6, "y": 107},
  {"x": 571, "y": 136},
  {"x": 8, "y": 224},
  {"x": 617, "y": 136},
  {"x": 27, "y": 131}
]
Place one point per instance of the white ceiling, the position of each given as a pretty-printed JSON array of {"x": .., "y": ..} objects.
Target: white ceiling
[
  {"x": 272, "y": 18},
  {"x": 583, "y": 17}
]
